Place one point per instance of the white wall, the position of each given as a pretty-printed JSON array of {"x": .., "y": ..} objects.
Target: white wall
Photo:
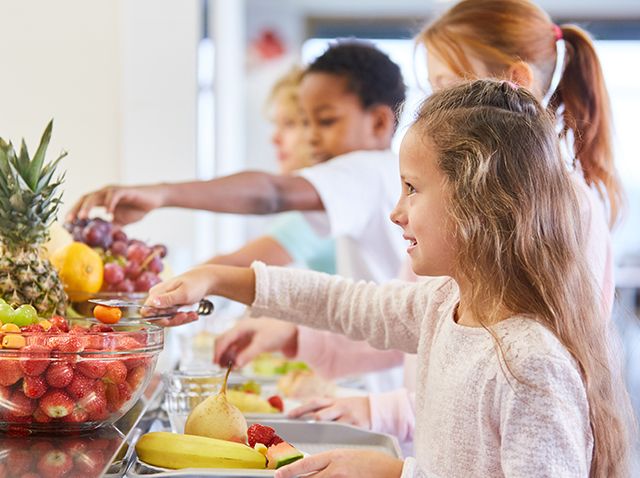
[
  {"x": 119, "y": 77},
  {"x": 61, "y": 60},
  {"x": 158, "y": 116}
]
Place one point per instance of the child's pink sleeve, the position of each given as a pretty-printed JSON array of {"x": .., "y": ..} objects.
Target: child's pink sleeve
[
  {"x": 334, "y": 356},
  {"x": 393, "y": 413}
]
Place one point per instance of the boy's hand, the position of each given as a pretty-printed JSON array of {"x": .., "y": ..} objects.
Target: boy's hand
[
  {"x": 126, "y": 204},
  {"x": 251, "y": 337},
  {"x": 336, "y": 463},
  {"x": 352, "y": 410}
]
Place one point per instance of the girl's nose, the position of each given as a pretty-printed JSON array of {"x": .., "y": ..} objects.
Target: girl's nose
[{"x": 398, "y": 215}]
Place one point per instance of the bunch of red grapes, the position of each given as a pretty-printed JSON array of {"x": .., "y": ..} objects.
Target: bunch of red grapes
[{"x": 130, "y": 265}]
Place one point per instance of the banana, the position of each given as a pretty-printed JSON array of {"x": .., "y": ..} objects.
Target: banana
[{"x": 176, "y": 451}]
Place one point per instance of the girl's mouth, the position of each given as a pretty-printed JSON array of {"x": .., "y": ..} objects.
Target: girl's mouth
[{"x": 412, "y": 244}]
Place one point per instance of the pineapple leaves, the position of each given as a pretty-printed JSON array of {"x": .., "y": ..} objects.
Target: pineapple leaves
[
  {"x": 23, "y": 160},
  {"x": 30, "y": 193},
  {"x": 33, "y": 172}
]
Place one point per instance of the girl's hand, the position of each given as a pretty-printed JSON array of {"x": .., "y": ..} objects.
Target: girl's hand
[
  {"x": 251, "y": 337},
  {"x": 341, "y": 463},
  {"x": 352, "y": 410},
  {"x": 184, "y": 289}
]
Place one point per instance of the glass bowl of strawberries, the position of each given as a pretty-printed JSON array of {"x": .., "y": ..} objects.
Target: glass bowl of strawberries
[{"x": 60, "y": 376}]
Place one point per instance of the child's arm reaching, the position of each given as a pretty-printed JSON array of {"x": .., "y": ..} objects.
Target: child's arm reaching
[
  {"x": 387, "y": 316},
  {"x": 243, "y": 193},
  {"x": 235, "y": 283}
]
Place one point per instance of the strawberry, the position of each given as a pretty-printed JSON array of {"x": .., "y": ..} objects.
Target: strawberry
[
  {"x": 59, "y": 322},
  {"x": 4, "y": 401},
  {"x": 95, "y": 403},
  {"x": 34, "y": 359},
  {"x": 78, "y": 330},
  {"x": 34, "y": 387},
  {"x": 100, "y": 328},
  {"x": 136, "y": 377},
  {"x": 18, "y": 430},
  {"x": 10, "y": 372},
  {"x": 116, "y": 372},
  {"x": 68, "y": 347},
  {"x": 127, "y": 343},
  {"x": 59, "y": 374},
  {"x": 78, "y": 415},
  {"x": 80, "y": 386},
  {"x": 92, "y": 367},
  {"x": 55, "y": 464},
  {"x": 54, "y": 330},
  {"x": 32, "y": 329},
  {"x": 260, "y": 434},
  {"x": 276, "y": 402},
  {"x": 99, "y": 415},
  {"x": 56, "y": 404},
  {"x": 40, "y": 417},
  {"x": 21, "y": 405},
  {"x": 117, "y": 395},
  {"x": 276, "y": 439}
]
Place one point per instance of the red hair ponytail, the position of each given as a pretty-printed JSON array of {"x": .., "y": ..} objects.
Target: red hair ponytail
[{"x": 587, "y": 114}]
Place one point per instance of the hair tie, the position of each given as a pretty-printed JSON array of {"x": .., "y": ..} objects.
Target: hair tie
[
  {"x": 510, "y": 84},
  {"x": 557, "y": 31}
]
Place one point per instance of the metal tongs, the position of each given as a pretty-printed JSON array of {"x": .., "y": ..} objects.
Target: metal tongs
[{"x": 204, "y": 307}]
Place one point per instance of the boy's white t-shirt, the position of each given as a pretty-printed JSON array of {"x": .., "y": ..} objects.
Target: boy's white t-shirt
[{"x": 359, "y": 190}]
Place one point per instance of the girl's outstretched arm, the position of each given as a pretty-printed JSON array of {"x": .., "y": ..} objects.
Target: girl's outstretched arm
[
  {"x": 235, "y": 283},
  {"x": 388, "y": 316}
]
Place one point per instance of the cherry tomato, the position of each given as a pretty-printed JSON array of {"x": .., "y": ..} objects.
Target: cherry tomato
[{"x": 107, "y": 315}]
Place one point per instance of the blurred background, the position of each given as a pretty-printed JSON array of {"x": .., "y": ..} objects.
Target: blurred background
[{"x": 166, "y": 90}]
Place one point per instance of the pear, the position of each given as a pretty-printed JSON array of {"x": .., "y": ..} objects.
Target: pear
[{"x": 217, "y": 418}]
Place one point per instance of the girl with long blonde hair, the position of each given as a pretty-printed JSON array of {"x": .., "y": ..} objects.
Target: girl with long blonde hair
[
  {"x": 516, "y": 376},
  {"x": 516, "y": 40}
]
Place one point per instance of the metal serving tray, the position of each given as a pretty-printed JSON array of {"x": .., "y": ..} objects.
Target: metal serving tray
[{"x": 309, "y": 437}]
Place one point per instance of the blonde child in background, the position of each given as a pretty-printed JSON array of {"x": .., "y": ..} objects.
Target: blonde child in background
[
  {"x": 517, "y": 41},
  {"x": 516, "y": 374},
  {"x": 290, "y": 239}
]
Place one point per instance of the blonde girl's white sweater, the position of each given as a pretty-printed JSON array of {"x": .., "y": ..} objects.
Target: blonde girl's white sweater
[{"x": 479, "y": 412}]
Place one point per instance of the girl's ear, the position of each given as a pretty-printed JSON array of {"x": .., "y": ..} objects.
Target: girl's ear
[
  {"x": 383, "y": 121},
  {"x": 521, "y": 74}
]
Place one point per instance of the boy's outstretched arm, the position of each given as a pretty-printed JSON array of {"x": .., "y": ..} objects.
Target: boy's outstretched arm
[{"x": 242, "y": 193}]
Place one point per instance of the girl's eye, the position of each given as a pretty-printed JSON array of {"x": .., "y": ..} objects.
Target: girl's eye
[
  {"x": 410, "y": 189},
  {"x": 326, "y": 121}
]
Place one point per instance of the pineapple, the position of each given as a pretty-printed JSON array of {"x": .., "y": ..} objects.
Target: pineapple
[{"x": 29, "y": 202}]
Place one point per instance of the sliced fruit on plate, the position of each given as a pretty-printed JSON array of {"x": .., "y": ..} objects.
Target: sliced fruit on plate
[
  {"x": 282, "y": 454},
  {"x": 276, "y": 402},
  {"x": 176, "y": 451},
  {"x": 262, "y": 434}
]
